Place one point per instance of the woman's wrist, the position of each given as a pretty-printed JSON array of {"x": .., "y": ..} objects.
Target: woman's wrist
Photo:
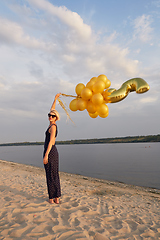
[{"x": 57, "y": 95}]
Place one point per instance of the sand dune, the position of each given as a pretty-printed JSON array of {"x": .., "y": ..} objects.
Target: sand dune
[{"x": 89, "y": 208}]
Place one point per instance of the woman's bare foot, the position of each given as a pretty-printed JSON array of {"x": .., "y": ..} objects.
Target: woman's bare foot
[
  {"x": 56, "y": 200},
  {"x": 51, "y": 201}
]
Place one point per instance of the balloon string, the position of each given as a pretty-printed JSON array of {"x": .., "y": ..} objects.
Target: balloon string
[
  {"x": 64, "y": 107},
  {"x": 66, "y": 95}
]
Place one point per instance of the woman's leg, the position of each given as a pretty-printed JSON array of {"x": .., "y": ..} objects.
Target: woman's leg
[
  {"x": 49, "y": 181},
  {"x": 56, "y": 189}
]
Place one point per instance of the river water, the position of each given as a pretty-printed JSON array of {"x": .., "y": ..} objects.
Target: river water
[{"x": 131, "y": 163}]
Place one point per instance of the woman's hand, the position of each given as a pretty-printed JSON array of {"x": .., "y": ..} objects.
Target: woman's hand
[
  {"x": 57, "y": 95},
  {"x": 45, "y": 160}
]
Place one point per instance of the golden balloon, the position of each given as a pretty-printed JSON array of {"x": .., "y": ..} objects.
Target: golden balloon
[
  {"x": 104, "y": 116},
  {"x": 90, "y": 85},
  {"x": 99, "y": 86},
  {"x": 79, "y": 88},
  {"x": 81, "y": 104},
  {"x": 93, "y": 115},
  {"x": 102, "y": 109},
  {"x": 108, "y": 83},
  {"x": 91, "y": 108},
  {"x": 73, "y": 105},
  {"x": 105, "y": 80},
  {"x": 102, "y": 77},
  {"x": 86, "y": 93},
  {"x": 97, "y": 99},
  {"x": 93, "y": 79}
]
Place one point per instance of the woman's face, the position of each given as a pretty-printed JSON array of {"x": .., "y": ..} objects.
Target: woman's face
[{"x": 52, "y": 117}]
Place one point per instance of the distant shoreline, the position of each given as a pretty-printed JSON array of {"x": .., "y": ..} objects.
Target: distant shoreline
[{"x": 134, "y": 139}]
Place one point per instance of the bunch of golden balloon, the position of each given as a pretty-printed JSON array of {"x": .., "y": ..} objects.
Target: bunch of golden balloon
[{"x": 96, "y": 94}]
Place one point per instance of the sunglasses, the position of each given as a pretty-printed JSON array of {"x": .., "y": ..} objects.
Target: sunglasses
[{"x": 50, "y": 115}]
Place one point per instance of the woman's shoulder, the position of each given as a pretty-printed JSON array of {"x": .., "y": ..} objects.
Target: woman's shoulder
[
  {"x": 54, "y": 124},
  {"x": 52, "y": 127}
]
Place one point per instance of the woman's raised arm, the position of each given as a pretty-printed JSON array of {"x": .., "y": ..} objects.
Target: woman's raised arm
[{"x": 54, "y": 103}]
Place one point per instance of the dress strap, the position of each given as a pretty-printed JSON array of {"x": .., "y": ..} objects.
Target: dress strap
[{"x": 52, "y": 125}]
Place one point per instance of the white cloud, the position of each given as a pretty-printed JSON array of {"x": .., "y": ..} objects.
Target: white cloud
[
  {"x": 109, "y": 57},
  {"x": 72, "y": 19},
  {"x": 143, "y": 29},
  {"x": 76, "y": 50},
  {"x": 11, "y": 32},
  {"x": 66, "y": 86},
  {"x": 148, "y": 100},
  {"x": 69, "y": 58}
]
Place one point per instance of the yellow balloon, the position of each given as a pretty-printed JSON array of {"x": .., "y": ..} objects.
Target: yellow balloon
[
  {"x": 103, "y": 116},
  {"x": 91, "y": 108},
  {"x": 86, "y": 93},
  {"x": 73, "y": 105},
  {"x": 108, "y": 83},
  {"x": 135, "y": 84},
  {"x": 102, "y": 77},
  {"x": 81, "y": 104},
  {"x": 79, "y": 88},
  {"x": 99, "y": 86},
  {"x": 97, "y": 99},
  {"x": 102, "y": 109},
  {"x": 90, "y": 85},
  {"x": 105, "y": 80},
  {"x": 93, "y": 115},
  {"x": 93, "y": 79}
]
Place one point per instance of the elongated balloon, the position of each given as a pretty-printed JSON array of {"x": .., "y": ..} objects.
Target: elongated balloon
[{"x": 135, "y": 84}]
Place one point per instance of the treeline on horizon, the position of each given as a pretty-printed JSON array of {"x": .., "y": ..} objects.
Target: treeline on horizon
[{"x": 135, "y": 139}]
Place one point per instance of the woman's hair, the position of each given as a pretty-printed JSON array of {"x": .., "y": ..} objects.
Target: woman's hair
[{"x": 54, "y": 111}]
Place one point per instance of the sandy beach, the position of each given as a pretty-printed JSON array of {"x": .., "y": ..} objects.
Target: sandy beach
[{"x": 89, "y": 208}]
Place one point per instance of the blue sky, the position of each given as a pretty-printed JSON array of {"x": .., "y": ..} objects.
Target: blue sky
[{"x": 48, "y": 47}]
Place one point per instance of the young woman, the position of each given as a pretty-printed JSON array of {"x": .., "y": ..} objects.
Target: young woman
[{"x": 51, "y": 157}]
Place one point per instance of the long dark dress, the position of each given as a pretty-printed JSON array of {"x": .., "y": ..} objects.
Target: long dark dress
[{"x": 52, "y": 168}]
